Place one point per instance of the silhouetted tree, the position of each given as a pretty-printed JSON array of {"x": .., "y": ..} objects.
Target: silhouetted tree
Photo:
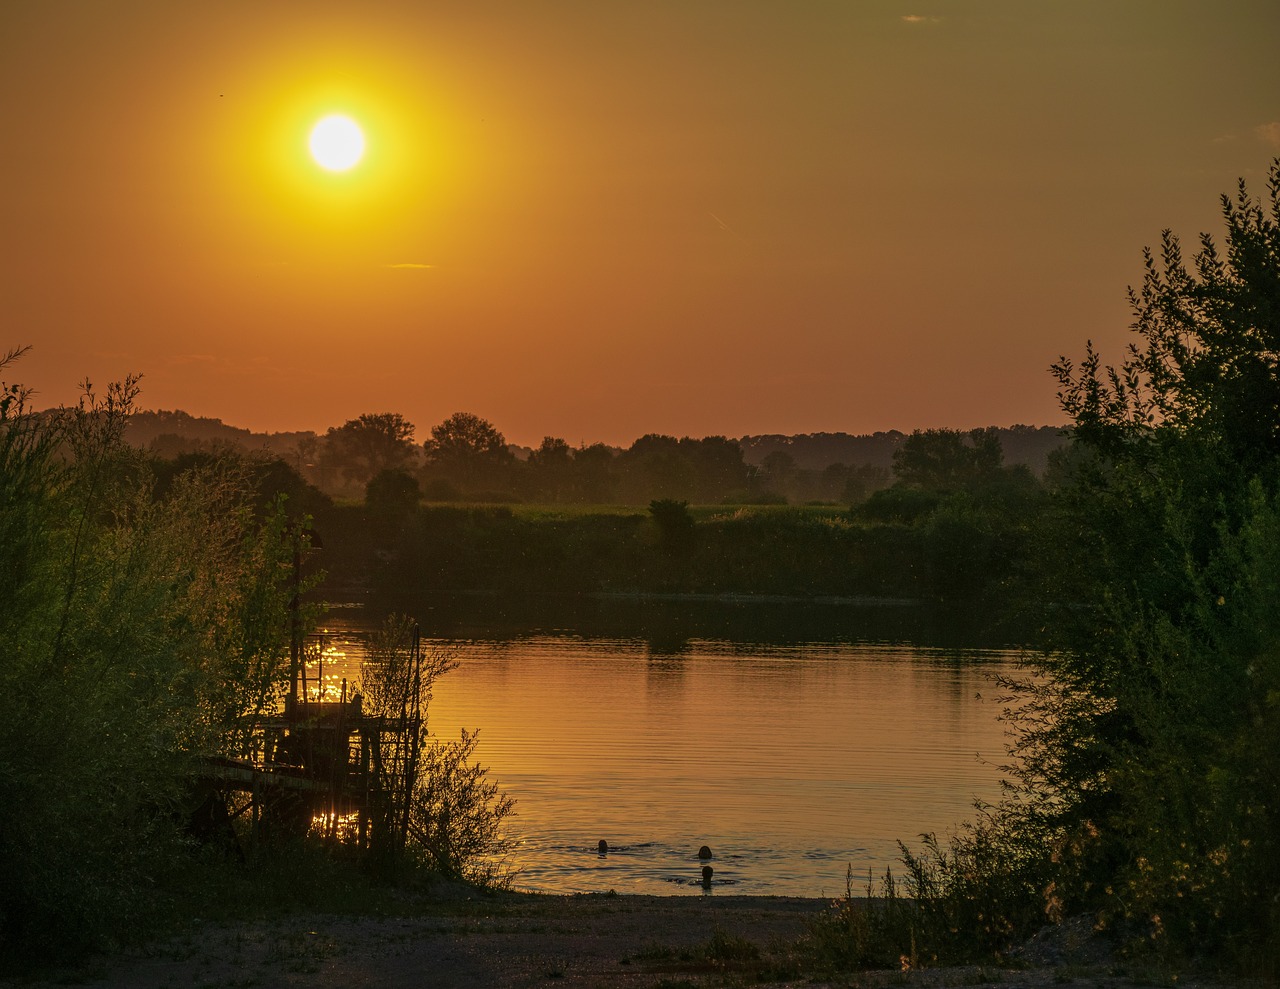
[
  {"x": 778, "y": 469},
  {"x": 595, "y": 476},
  {"x": 551, "y": 468},
  {"x": 269, "y": 476},
  {"x": 470, "y": 452},
  {"x": 718, "y": 466},
  {"x": 947, "y": 459},
  {"x": 361, "y": 448},
  {"x": 857, "y": 484},
  {"x": 655, "y": 467},
  {"x": 663, "y": 467}
]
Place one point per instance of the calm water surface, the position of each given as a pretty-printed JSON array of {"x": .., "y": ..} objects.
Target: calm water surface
[{"x": 792, "y": 761}]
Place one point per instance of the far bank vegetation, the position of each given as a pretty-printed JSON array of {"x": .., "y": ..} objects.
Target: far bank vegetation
[{"x": 935, "y": 514}]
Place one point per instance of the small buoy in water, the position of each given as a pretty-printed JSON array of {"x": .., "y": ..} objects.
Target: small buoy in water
[
  {"x": 704, "y": 852},
  {"x": 707, "y": 873},
  {"x": 603, "y": 847}
]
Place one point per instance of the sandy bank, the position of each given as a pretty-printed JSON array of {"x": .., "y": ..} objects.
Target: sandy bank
[{"x": 519, "y": 940}]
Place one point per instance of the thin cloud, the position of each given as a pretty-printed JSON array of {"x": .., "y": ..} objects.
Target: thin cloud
[
  {"x": 920, "y": 19},
  {"x": 411, "y": 266},
  {"x": 721, "y": 224},
  {"x": 1269, "y": 133}
]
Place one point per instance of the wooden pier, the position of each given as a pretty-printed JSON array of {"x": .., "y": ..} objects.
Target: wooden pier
[{"x": 323, "y": 767}]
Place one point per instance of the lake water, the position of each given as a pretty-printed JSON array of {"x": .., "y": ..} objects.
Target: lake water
[{"x": 793, "y": 753}]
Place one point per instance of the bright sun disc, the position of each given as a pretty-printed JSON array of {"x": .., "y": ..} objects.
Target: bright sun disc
[{"x": 337, "y": 143}]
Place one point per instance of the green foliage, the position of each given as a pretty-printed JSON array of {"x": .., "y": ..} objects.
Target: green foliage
[
  {"x": 967, "y": 901},
  {"x": 1146, "y": 752},
  {"x": 978, "y": 894},
  {"x": 459, "y": 815},
  {"x": 877, "y": 930},
  {"x": 1148, "y": 743},
  {"x": 138, "y": 630},
  {"x": 437, "y": 806}
]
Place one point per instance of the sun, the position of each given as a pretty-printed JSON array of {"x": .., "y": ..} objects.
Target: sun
[{"x": 336, "y": 143}]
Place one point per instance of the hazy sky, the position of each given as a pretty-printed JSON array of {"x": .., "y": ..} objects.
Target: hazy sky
[{"x": 598, "y": 218}]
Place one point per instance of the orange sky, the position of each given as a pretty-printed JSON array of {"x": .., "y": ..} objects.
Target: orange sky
[{"x": 595, "y": 220}]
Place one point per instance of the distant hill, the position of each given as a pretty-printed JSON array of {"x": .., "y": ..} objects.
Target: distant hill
[
  {"x": 170, "y": 433},
  {"x": 1028, "y": 445}
]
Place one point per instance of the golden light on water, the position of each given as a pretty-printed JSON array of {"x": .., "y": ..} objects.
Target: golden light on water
[{"x": 336, "y": 143}]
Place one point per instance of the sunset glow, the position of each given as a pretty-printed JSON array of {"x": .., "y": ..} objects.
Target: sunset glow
[{"x": 684, "y": 219}]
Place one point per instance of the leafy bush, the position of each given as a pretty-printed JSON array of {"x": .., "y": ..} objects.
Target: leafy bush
[
  {"x": 138, "y": 631},
  {"x": 439, "y": 807},
  {"x": 1149, "y": 748}
]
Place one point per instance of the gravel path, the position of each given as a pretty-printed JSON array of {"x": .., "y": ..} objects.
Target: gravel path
[{"x": 515, "y": 940}]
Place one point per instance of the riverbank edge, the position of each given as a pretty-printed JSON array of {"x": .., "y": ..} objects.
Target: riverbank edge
[{"x": 458, "y": 936}]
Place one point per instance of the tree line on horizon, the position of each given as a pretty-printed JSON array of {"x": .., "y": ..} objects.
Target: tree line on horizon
[{"x": 467, "y": 458}]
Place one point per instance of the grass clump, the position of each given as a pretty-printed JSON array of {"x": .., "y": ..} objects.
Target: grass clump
[{"x": 876, "y": 930}]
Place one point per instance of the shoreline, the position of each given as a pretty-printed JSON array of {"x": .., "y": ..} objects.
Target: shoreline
[{"x": 455, "y": 936}]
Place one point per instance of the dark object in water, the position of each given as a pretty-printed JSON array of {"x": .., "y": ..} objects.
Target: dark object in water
[
  {"x": 704, "y": 852},
  {"x": 603, "y": 847},
  {"x": 707, "y": 873}
]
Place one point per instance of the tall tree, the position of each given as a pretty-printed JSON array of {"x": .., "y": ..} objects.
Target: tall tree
[
  {"x": 595, "y": 476},
  {"x": 656, "y": 467},
  {"x": 718, "y": 466},
  {"x": 362, "y": 448},
  {"x": 1150, "y": 749},
  {"x": 469, "y": 451},
  {"x": 551, "y": 468},
  {"x": 947, "y": 459},
  {"x": 1207, "y": 363}
]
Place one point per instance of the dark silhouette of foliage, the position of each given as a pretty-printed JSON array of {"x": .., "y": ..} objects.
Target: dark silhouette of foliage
[
  {"x": 140, "y": 629},
  {"x": 270, "y": 476},
  {"x": 595, "y": 478},
  {"x": 363, "y": 447},
  {"x": 1148, "y": 767},
  {"x": 674, "y": 522},
  {"x": 392, "y": 494},
  {"x": 663, "y": 467},
  {"x": 551, "y": 470},
  {"x": 947, "y": 459},
  {"x": 1205, "y": 366},
  {"x": 469, "y": 452},
  {"x": 1028, "y": 445}
]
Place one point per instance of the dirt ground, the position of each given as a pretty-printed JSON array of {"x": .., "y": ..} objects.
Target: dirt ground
[{"x": 474, "y": 940}]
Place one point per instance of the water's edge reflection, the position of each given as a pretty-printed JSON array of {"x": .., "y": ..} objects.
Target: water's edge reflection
[{"x": 793, "y": 758}]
